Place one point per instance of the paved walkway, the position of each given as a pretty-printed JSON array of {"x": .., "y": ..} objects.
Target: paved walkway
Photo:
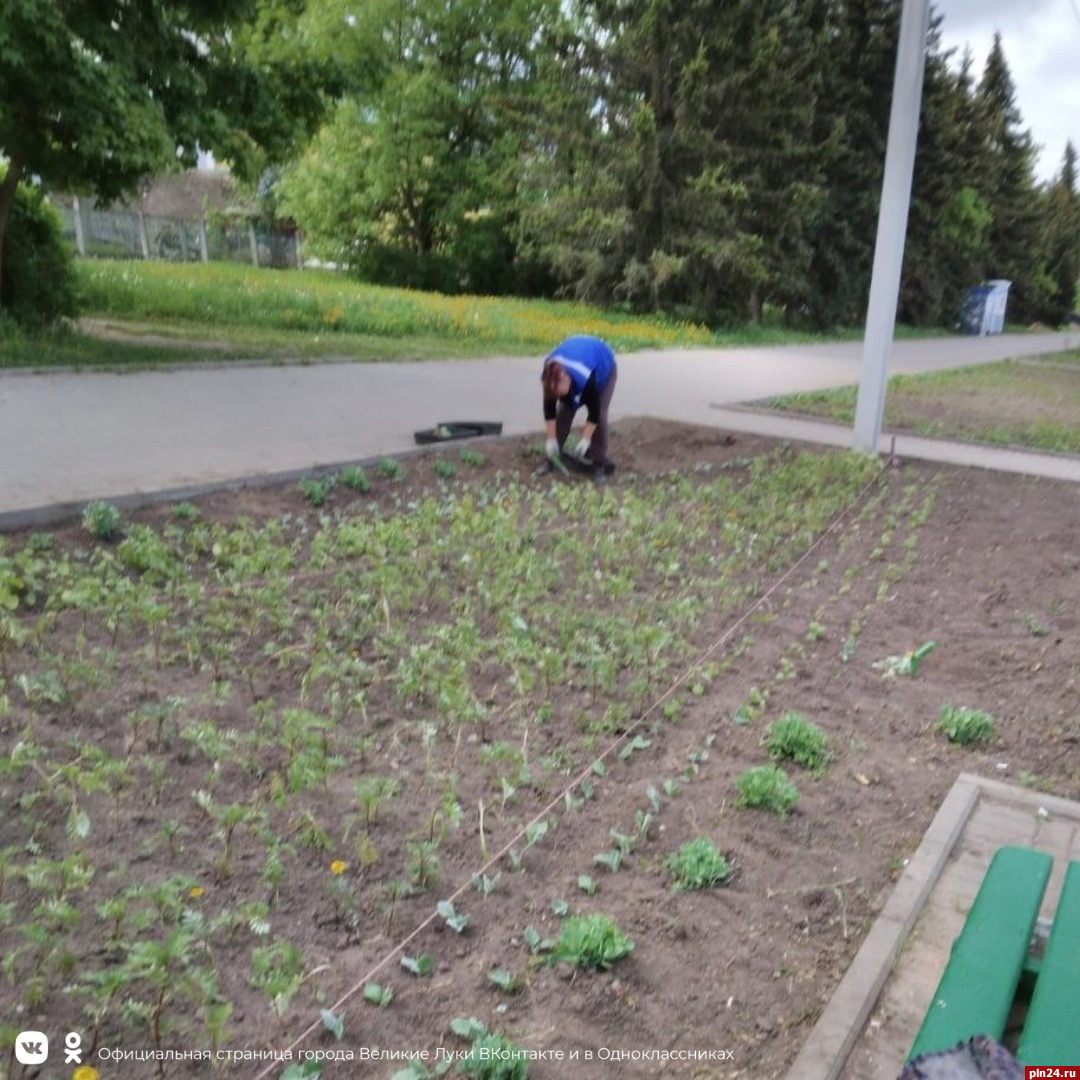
[{"x": 66, "y": 438}]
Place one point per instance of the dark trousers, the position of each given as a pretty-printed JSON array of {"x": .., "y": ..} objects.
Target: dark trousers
[{"x": 564, "y": 418}]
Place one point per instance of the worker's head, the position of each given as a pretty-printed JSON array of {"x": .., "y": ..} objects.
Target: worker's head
[{"x": 556, "y": 380}]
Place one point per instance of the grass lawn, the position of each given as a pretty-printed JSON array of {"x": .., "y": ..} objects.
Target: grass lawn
[{"x": 1025, "y": 403}]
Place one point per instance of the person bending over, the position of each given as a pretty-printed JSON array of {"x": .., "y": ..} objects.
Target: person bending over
[{"x": 579, "y": 372}]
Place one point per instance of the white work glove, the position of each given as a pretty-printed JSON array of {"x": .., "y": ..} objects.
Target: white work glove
[
  {"x": 551, "y": 448},
  {"x": 581, "y": 451}
]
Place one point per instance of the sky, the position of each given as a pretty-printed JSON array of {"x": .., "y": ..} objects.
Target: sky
[{"x": 1041, "y": 41}]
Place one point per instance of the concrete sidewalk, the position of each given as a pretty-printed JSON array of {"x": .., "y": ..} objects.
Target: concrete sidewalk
[{"x": 66, "y": 438}]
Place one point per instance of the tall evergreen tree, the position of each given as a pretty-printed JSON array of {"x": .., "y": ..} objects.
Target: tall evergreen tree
[
  {"x": 858, "y": 61},
  {"x": 948, "y": 230},
  {"x": 1061, "y": 241},
  {"x": 1010, "y": 192}
]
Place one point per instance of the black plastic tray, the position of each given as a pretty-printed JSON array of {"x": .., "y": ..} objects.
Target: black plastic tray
[{"x": 457, "y": 429}]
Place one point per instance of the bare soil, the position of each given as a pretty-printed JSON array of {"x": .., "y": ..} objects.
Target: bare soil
[{"x": 985, "y": 565}]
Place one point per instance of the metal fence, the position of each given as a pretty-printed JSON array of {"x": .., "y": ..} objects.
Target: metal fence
[{"x": 113, "y": 234}]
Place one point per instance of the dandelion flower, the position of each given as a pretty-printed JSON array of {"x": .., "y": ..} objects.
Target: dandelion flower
[
  {"x": 338, "y": 867},
  {"x": 85, "y": 1072},
  {"x": 196, "y": 891}
]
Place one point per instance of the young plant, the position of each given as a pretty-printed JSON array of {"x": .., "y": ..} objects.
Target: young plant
[
  {"x": 697, "y": 865},
  {"x": 505, "y": 980},
  {"x": 376, "y": 994},
  {"x": 591, "y": 941},
  {"x": 965, "y": 726},
  {"x": 421, "y": 965},
  {"x": 444, "y": 470},
  {"x": 767, "y": 787},
  {"x": 473, "y": 458},
  {"x": 456, "y": 920},
  {"x": 388, "y": 468},
  {"x": 355, "y": 479},
  {"x": 317, "y": 489},
  {"x": 101, "y": 520},
  {"x": 492, "y": 1056},
  {"x": 797, "y": 739}
]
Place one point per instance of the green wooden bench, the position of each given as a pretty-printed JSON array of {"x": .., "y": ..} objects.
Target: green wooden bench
[
  {"x": 976, "y": 992},
  {"x": 1051, "y": 1033}
]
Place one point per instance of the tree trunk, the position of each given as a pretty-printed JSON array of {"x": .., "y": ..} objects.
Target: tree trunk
[{"x": 7, "y": 201}]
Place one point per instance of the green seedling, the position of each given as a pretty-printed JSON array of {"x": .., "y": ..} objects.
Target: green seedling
[
  {"x": 333, "y": 1023},
  {"x": 355, "y": 479},
  {"x": 536, "y": 943},
  {"x": 303, "y": 1070},
  {"x": 611, "y": 859},
  {"x": 906, "y": 664},
  {"x": 587, "y": 884},
  {"x": 456, "y": 920},
  {"x": 485, "y": 884},
  {"x": 697, "y": 865},
  {"x": 444, "y": 470},
  {"x": 421, "y": 965},
  {"x": 377, "y": 994},
  {"x": 505, "y": 980},
  {"x": 638, "y": 742},
  {"x": 492, "y": 1056},
  {"x": 767, "y": 787},
  {"x": 473, "y": 458},
  {"x": 101, "y": 520},
  {"x": 797, "y": 739},
  {"x": 591, "y": 941},
  {"x": 387, "y": 468},
  {"x": 317, "y": 489},
  {"x": 965, "y": 726}
]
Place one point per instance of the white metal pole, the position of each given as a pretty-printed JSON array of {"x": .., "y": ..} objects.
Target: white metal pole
[{"x": 892, "y": 221}]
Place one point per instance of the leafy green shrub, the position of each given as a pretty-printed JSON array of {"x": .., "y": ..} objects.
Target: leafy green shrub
[
  {"x": 592, "y": 941},
  {"x": 38, "y": 283},
  {"x": 767, "y": 787},
  {"x": 389, "y": 468},
  {"x": 799, "y": 740},
  {"x": 475, "y": 458},
  {"x": 101, "y": 519},
  {"x": 355, "y": 479},
  {"x": 697, "y": 865},
  {"x": 965, "y": 726},
  {"x": 317, "y": 489}
]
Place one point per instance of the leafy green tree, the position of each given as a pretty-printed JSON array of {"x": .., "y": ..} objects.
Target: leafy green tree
[
  {"x": 413, "y": 178},
  {"x": 95, "y": 94}
]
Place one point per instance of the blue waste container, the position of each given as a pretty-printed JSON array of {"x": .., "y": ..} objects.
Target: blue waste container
[{"x": 983, "y": 308}]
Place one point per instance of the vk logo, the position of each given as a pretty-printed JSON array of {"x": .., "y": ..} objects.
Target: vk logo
[{"x": 31, "y": 1048}]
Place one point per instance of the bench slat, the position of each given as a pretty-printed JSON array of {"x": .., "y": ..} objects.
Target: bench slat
[
  {"x": 977, "y": 988},
  {"x": 1052, "y": 1028}
]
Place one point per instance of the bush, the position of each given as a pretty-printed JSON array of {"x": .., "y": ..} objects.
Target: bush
[
  {"x": 697, "y": 865},
  {"x": 767, "y": 787},
  {"x": 38, "y": 278},
  {"x": 966, "y": 726},
  {"x": 101, "y": 520},
  {"x": 799, "y": 740},
  {"x": 592, "y": 941}
]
